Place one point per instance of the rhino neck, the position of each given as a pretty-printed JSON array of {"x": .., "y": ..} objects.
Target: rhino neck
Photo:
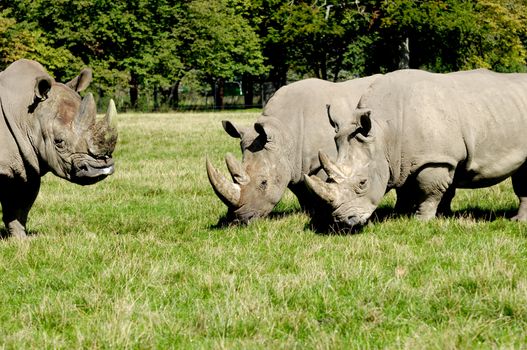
[
  {"x": 16, "y": 119},
  {"x": 380, "y": 167},
  {"x": 295, "y": 151},
  {"x": 390, "y": 144},
  {"x": 290, "y": 146},
  {"x": 387, "y": 114}
]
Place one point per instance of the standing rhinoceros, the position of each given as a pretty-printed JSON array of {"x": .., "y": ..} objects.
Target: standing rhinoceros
[
  {"x": 45, "y": 126},
  {"x": 425, "y": 135},
  {"x": 282, "y": 145}
]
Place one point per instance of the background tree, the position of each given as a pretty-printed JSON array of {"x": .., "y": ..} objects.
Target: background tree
[
  {"x": 26, "y": 40},
  {"x": 448, "y": 35},
  {"x": 320, "y": 34},
  {"x": 221, "y": 44},
  {"x": 141, "y": 50}
]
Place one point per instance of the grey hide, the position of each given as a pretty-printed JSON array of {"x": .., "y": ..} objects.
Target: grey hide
[
  {"x": 45, "y": 126},
  {"x": 282, "y": 145},
  {"x": 425, "y": 135}
]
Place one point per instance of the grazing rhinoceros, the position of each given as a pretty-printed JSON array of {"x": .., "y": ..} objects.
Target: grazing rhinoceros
[
  {"x": 425, "y": 135},
  {"x": 45, "y": 126},
  {"x": 282, "y": 145}
]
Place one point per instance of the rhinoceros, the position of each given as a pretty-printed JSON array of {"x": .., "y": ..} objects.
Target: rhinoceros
[
  {"x": 45, "y": 126},
  {"x": 425, "y": 135},
  {"x": 282, "y": 145}
]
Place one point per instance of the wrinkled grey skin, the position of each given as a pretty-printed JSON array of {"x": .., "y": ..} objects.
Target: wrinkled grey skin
[
  {"x": 425, "y": 135},
  {"x": 282, "y": 145},
  {"x": 45, "y": 126}
]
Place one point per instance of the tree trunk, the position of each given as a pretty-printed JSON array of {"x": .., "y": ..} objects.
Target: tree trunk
[
  {"x": 134, "y": 90},
  {"x": 156, "y": 98},
  {"x": 404, "y": 54},
  {"x": 337, "y": 66},
  {"x": 173, "y": 98},
  {"x": 323, "y": 66},
  {"x": 219, "y": 92},
  {"x": 248, "y": 90}
]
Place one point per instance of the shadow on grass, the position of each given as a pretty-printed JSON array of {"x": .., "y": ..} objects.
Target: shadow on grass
[
  {"x": 228, "y": 219},
  {"x": 481, "y": 214},
  {"x": 279, "y": 214},
  {"x": 323, "y": 224}
]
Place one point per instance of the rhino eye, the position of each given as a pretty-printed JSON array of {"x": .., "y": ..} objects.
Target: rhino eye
[
  {"x": 363, "y": 184},
  {"x": 59, "y": 143},
  {"x": 263, "y": 185}
]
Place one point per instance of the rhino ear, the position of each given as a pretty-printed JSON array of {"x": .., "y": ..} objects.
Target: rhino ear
[
  {"x": 364, "y": 117},
  {"x": 271, "y": 128},
  {"x": 42, "y": 87},
  {"x": 81, "y": 81},
  {"x": 231, "y": 129},
  {"x": 260, "y": 129},
  {"x": 332, "y": 121}
]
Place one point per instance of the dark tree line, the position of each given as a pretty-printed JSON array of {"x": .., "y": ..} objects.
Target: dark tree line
[{"x": 147, "y": 47}]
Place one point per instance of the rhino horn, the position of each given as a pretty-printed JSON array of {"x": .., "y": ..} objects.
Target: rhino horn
[
  {"x": 87, "y": 112},
  {"x": 228, "y": 192},
  {"x": 103, "y": 135},
  {"x": 238, "y": 173},
  {"x": 333, "y": 171},
  {"x": 111, "y": 112},
  {"x": 324, "y": 190}
]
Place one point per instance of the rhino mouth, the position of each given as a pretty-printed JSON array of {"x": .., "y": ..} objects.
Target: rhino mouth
[
  {"x": 244, "y": 216},
  {"x": 90, "y": 171},
  {"x": 347, "y": 218},
  {"x": 347, "y": 225}
]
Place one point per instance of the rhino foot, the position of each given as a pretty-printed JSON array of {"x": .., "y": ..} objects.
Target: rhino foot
[
  {"x": 520, "y": 217},
  {"x": 16, "y": 230}
]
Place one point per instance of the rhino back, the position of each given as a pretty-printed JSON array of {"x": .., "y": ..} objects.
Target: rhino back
[
  {"x": 472, "y": 120},
  {"x": 301, "y": 107}
]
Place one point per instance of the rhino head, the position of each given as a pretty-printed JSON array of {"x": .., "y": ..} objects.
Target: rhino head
[
  {"x": 358, "y": 179},
  {"x": 70, "y": 142},
  {"x": 259, "y": 181}
]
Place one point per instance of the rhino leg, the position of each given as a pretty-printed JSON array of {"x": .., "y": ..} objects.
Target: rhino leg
[
  {"x": 16, "y": 203},
  {"x": 520, "y": 189},
  {"x": 433, "y": 182},
  {"x": 444, "y": 208},
  {"x": 405, "y": 203}
]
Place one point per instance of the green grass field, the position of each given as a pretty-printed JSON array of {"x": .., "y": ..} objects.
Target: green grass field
[{"x": 137, "y": 261}]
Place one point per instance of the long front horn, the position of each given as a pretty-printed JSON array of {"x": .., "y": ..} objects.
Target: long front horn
[
  {"x": 325, "y": 191},
  {"x": 238, "y": 173},
  {"x": 333, "y": 171},
  {"x": 228, "y": 192}
]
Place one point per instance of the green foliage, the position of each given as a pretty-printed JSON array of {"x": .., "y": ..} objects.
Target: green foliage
[
  {"x": 25, "y": 40},
  {"x": 320, "y": 36},
  {"x": 447, "y": 35},
  {"x": 503, "y": 26},
  {"x": 150, "y": 46},
  {"x": 223, "y": 45}
]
